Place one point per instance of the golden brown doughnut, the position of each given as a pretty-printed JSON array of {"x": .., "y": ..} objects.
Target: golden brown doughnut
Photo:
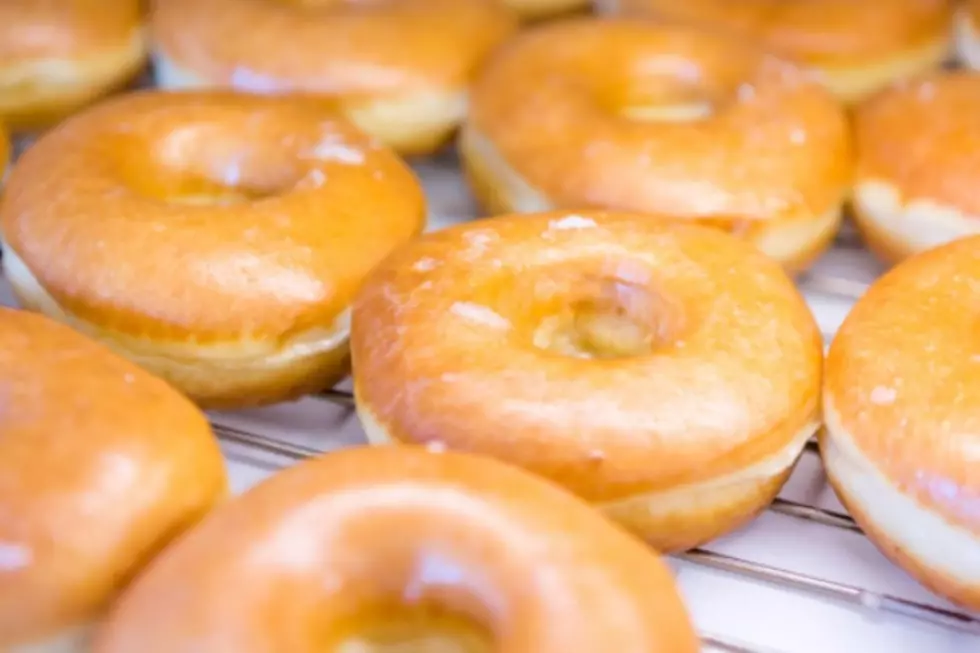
[
  {"x": 399, "y": 69},
  {"x": 403, "y": 546},
  {"x": 630, "y": 115},
  {"x": 902, "y": 408},
  {"x": 855, "y": 46},
  {"x": 101, "y": 465},
  {"x": 667, "y": 373},
  {"x": 916, "y": 183},
  {"x": 968, "y": 33},
  {"x": 216, "y": 239},
  {"x": 58, "y": 55}
]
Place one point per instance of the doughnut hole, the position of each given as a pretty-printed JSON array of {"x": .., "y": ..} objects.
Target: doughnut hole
[
  {"x": 209, "y": 164},
  {"x": 607, "y": 318},
  {"x": 427, "y": 628}
]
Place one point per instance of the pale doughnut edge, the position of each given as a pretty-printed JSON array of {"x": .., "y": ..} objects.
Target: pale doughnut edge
[
  {"x": 55, "y": 86},
  {"x": 942, "y": 556},
  {"x": 967, "y": 39},
  {"x": 683, "y": 517},
  {"x": 895, "y": 227},
  {"x": 71, "y": 640},
  {"x": 224, "y": 375},
  {"x": 501, "y": 189},
  {"x": 412, "y": 125}
]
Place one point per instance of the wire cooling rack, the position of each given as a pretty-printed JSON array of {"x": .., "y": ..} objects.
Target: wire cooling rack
[{"x": 800, "y": 579}]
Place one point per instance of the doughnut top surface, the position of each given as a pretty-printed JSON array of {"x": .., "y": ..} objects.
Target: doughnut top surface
[
  {"x": 39, "y": 29},
  {"x": 210, "y": 216},
  {"x": 100, "y": 463},
  {"x": 357, "y": 537},
  {"x": 813, "y": 31},
  {"x": 903, "y": 379},
  {"x": 332, "y": 47},
  {"x": 612, "y": 353},
  {"x": 923, "y": 136}
]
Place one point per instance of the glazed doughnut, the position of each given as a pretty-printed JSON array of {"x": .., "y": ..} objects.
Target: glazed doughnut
[
  {"x": 101, "y": 465},
  {"x": 58, "y": 55},
  {"x": 902, "y": 404},
  {"x": 484, "y": 558},
  {"x": 538, "y": 9},
  {"x": 666, "y": 120},
  {"x": 855, "y": 46},
  {"x": 667, "y": 373},
  {"x": 968, "y": 33},
  {"x": 915, "y": 185},
  {"x": 216, "y": 239},
  {"x": 399, "y": 69}
]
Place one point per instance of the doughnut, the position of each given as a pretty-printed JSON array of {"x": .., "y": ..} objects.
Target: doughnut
[
  {"x": 539, "y": 9},
  {"x": 400, "y": 70},
  {"x": 901, "y": 405},
  {"x": 665, "y": 372},
  {"x": 917, "y": 168},
  {"x": 967, "y": 33},
  {"x": 856, "y": 47},
  {"x": 484, "y": 558},
  {"x": 216, "y": 239},
  {"x": 101, "y": 465},
  {"x": 59, "y": 55},
  {"x": 666, "y": 120}
]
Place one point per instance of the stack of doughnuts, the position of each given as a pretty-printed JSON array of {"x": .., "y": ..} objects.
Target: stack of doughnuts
[
  {"x": 667, "y": 373},
  {"x": 854, "y": 46},
  {"x": 217, "y": 239},
  {"x": 631, "y": 115},
  {"x": 399, "y": 70},
  {"x": 58, "y": 55},
  {"x": 101, "y": 465},
  {"x": 371, "y": 549}
]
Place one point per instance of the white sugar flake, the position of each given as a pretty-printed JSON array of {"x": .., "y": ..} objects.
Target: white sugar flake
[
  {"x": 572, "y": 222},
  {"x": 480, "y": 315},
  {"x": 883, "y": 396}
]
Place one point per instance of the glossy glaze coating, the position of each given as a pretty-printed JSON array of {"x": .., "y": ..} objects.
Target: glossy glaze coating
[
  {"x": 406, "y": 62},
  {"x": 813, "y": 31},
  {"x": 56, "y": 55},
  {"x": 100, "y": 466},
  {"x": 313, "y": 548},
  {"x": 710, "y": 362},
  {"x": 902, "y": 392},
  {"x": 773, "y": 148},
  {"x": 917, "y": 149},
  {"x": 242, "y": 224},
  {"x": 924, "y": 138}
]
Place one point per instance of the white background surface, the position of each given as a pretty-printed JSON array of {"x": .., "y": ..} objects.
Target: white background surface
[{"x": 763, "y": 617}]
